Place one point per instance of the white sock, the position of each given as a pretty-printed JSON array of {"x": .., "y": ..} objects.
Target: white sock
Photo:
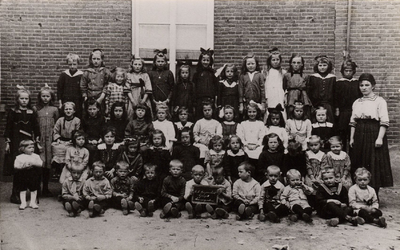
[
  {"x": 33, "y": 200},
  {"x": 22, "y": 196}
]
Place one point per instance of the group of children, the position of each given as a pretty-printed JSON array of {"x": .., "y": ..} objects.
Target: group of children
[{"x": 116, "y": 143}]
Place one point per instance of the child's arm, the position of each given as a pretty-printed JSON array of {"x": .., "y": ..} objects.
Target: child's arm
[
  {"x": 188, "y": 190},
  {"x": 147, "y": 88},
  {"x": 107, "y": 191},
  {"x": 84, "y": 84},
  {"x": 285, "y": 196},
  {"x": 65, "y": 191},
  {"x": 257, "y": 191},
  {"x": 347, "y": 167},
  {"x": 218, "y": 130},
  {"x": 352, "y": 196},
  {"x": 87, "y": 192},
  {"x": 262, "y": 199},
  {"x": 308, "y": 128},
  {"x": 310, "y": 172},
  {"x": 19, "y": 163},
  {"x": 241, "y": 93},
  {"x": 236, "y": 192},
  {"x": 36, "y": 161},
  {"x": 171, "y": 82},
  {"x": 196, "y": 132},
  {"x": 57, "y": 130},
  {"x": 240, "y": 133},
  {"x": 307, "y": 190}
]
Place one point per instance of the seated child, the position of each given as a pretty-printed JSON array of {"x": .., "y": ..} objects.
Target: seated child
[
  {"x": 314, "y": 159},
  {"x": 222, "y": 209},
  {"x": 322, "y": 128},
  {"x": 214, "y": 155},
  {"x": 72, "y": 193},
  {"x": 198, "y": 174},
  {"x": 148, "y": 191},
  {"x": 272, "y": 154},
  {"x": 246, "y": 192},
  {"x": 172, "y": 191},
  {"x": 332, "y": 200},
  {"x": 269, "y": 204},
  {"x": 122, "y": 188},
  {"x": 364, "y": 201},
  {"x": 233, "y": 157},
  {"x": 131, "y": 154},
  {"x": 294, "y": 197},
  {"x": 97, "y": 190}
]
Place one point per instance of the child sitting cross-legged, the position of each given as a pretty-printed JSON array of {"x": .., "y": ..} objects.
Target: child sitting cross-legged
[
  {"x": 122, "y": 186},
  {"x": 72, "y": 193},
  {"x": 198, "y": 174},
  {"x": 246, "y": 192},
  {"x": 332, "y": 200},
  {"x": 147, "y": 191},
  {"x": 97, "y": 190},
  {"x": 172, "y": 191},
  {"x": 269, "y": 204},
  {"x": 222, "y": 209}
]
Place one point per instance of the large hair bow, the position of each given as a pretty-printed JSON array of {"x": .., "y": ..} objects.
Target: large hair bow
[
  {"x": 163, "y": 52},
  {"x": 207, "y": 52},
  {"x": 274, "y": 51}
]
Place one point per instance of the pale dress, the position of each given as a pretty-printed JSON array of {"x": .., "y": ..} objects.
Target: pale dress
[
  {"x": 251, "y": 133},
  {"x": 168, "y": 129},
  {"x": 340, "y": 163},
  {"x": 137, "y": 90},
  {"x": 47, "y": 117},
  {"x": 203, "y": 131},
  {"x": 300, "y": 130}
]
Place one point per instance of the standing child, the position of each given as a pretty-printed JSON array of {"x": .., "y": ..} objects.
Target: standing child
[
  {"x": 322, "y": 128},
  {"x": 21, "y": 125},
  {"x": 272, "y": 154},
  {"x": 68, "y": 84},
  {"x": 363, "y": 199},
  {"x": 198, "y": 175},
  {"x": 108, "y": 152},
  {"x": 47, "y": 115},
  {"x": 224, "y": 192},
  {"x": 294, "y": 83},
  {"x": 294, "y": 197},
  {"x": 276, "y": 124},
  {"x": 27, "y": 167},
  {"x": 246, "y": 192},
  {"x": 182, "y": 94},
  {"x": 140, "y": 84},
  {"x": 140, "y": 126},
  {"x": 172, "y": 191},
  {"x": 234, "y": 156},
  {"x": 320, "y": 85},
  {"x": 205, "y": 82},
  {"x": 118, "y": 120},
  {"x": 299, "y": 127},
  {"x": 183, "y": 116},
  {"x": 229, "y": 126},
  {"x": 270, "y": 204},
  {"x": 251, "y": 84},
  {"x": 122, "y": 188},
  {"x": 214, "y": 155},
  {"x": 339, "y": 161},
  {"x": 133, "y": 157},
  {"x": 228, "y": 88},
  {"x": 167, "y": 127},
  {"x": 71, "y": 193},
  {"x": 97, "y": 190},
  {"x": 315, "y": 159}
]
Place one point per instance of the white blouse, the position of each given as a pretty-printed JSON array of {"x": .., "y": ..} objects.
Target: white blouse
[{"x": 374, "y": 107}]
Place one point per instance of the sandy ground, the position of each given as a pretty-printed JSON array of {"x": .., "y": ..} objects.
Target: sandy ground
[{"x": 49, "y": 227}]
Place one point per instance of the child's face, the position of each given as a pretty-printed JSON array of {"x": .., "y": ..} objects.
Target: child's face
[
  {"x": 205, "y": 61},
  {"x": 252, "y": 113},
  {"x": 229, "y": 72},
  {"x": 157, "y": 140},
  {"x": 218, "y": 179},
  {"x": 45, "y": 96},
  {"x": 185, "y": 73},
  {"x": 297, "y": 63},
  {"x": 96, "y": 59},
  {"x": 122, "y": 173},
  {"x": 348, "y": 73},
  {"x": 132, "y": 148},
  {"x": 228, "y": 114},
  {"x": 69, "y": 111},
  {"x": 93, "y": 110},
  {"x": 118, "y": 112},
  {"x": 251, "y": 64},
  {"x": 217, "y": 147},
  {"x": 161, "y": 115},
  {"x": 298, "y": 113},
  {"x": 109, "y": 138},
  {"x": 275, "y": 61},
  {"x": 98, "y": 173},
  {"x": 160, "y": 62},
  {"x": 362, "y": 181},
  {"x": 80, "y": 141},
  {"x": 140, "y": 113},
  {"x": 23, "y": 99},
  {"x": 336, "y": 148},
  {"x": 275, "y": 119},
  {"x": 235, "y": 144},
  {"x": 119, "y": 78},
  {"x": 243, "y": 174},
  {"x": 150, "y": 174},
  {"x": 321, "y": 117},
  {"x": 76, "y": 175},
  {"x": 295, "y": 181},
  {"x": 314, "y": 146},
  {"x": 137, "y": 66},
  {"x": 73, "y": 65},
  {"x": 273, "y": 143},
  {"x": 175, "y": 171},
  {"x": 329, "y": 179},
  {"x": 197, "y": 176},
  {"x": 207, "y": 111},
  {"x": 29, "y": 149},
  {"x": 185, "y": 138},
  {"x": 273, "y": 177},
  {"x": 322, "y": 67},
  {"x": 183, "y": 116}
]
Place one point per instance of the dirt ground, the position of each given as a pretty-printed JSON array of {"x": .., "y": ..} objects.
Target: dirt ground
[{"x": 49, "y": 227}]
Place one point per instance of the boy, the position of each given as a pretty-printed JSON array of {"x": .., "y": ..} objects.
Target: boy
[
  {"x": 246, "y": 192},
  {"x": 147, "y": 191},
  {"x": 97, "y": 190},
  {"x": 269, "y": 204},
  {"x": 172, "y": 191},
  {"x": 224, "y": 195},
  {"x": 72, "y": 193},
  {"x": 122, "y": 187},
  {"x": 198, "y": 173}
]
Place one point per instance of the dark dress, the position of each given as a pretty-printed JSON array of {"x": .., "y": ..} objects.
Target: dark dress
[
  {"x": 228, "y": 94},
  {"x": 205, "y": 88},
  {"x": 324, "y": 131},
  {"x": 162, "y": 82},
  {"x": 120, "y": 126},
  {"x": 231, "y": 162},
  {"x": 69, "y": 90},
  {"x": 324, "y": 193},
  {"x": 189, "y": 156},
  {"x": 320, "y": 89},
  {"x": 267, "y": 159},
  {"x": 228, "y": 129},
  {"x": 182, "y": 95},
  {"x": 159, "y": 157},
  {"x": 297, "y": 162}
]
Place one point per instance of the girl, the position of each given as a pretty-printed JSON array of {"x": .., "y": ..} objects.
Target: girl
[
  {"x": 274, "y": 93},
  {"x": 339, "y": 161},
  {"x": 186, "y": 153},
  {"x": 166, "y": 126},
  {"x": 215, "y": 155},
  {"x": 251, "y": 83},
  {"x": 276, "y": 124},
  {"x": 27, "y": 174},
  {"x": 322, "y": 128},
  {"x": 315, "y": 158},
  {"x": 118, "y": 120},
  {"x": 252, "y": 132},
  {"x": 140, "y": 126},
  {"x": 364, "y": 200},
  {"x": 320, "y": 85},
  {"x": 272, "y": 154},
  {"x": 229, "y": 127},
  {"x": 183, "y": 116},
  {"x": 233, "y": 157},
  {"x": 294, "y": 83},
  {"x": 47, "y": 115},
  {"x": 76, "y": 157},
  {"x": 161, "y": 78},
  {"x": 205, "y": 82},
  {"x": 108, "y": 152},
  {"x": 68, "y": 84},
  {"x": 299, "y": 127},
  {"x": 158, "y": 154},
  {"x": 182, "y": 95},
  {"x": 294, "y": 159},
  {"x": 228, "y": 88},
  {"x": 133, "y": 157},
  {"x": 140, "y": 84}
]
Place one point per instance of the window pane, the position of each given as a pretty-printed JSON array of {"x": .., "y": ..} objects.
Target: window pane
[
  {"x": 192, "y": 12},
  {"x": 154, "y": 36},
  {"x": 191, "y": 37},
  {"x": 153, "y": 11}
]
